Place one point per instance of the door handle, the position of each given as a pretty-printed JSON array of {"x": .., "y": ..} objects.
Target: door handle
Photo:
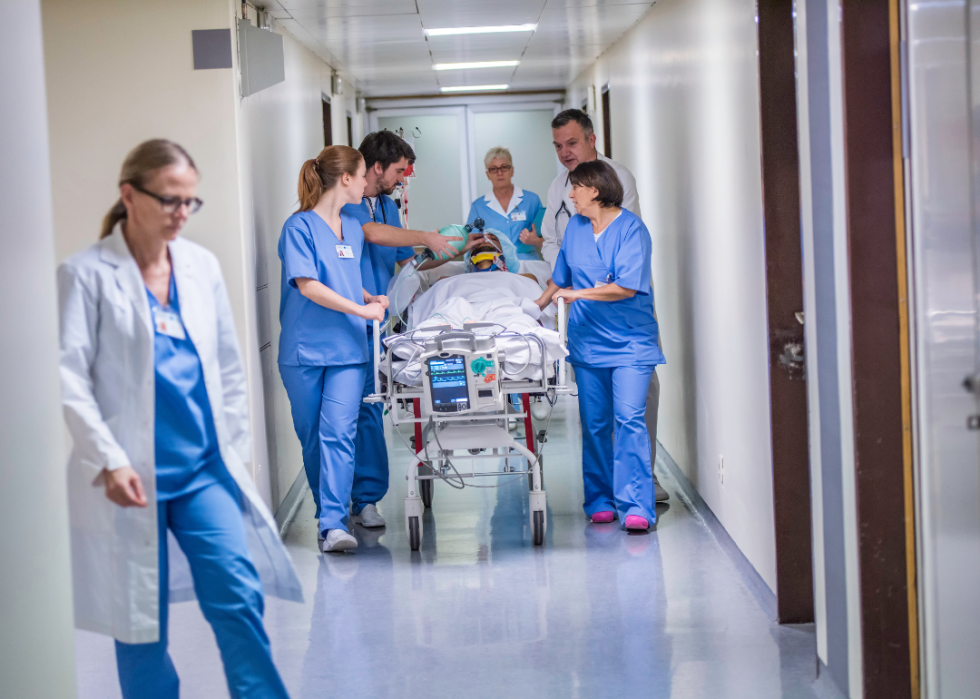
[
  {"x": 972, "y": 385},
  {"x": 792, "y": 354}
]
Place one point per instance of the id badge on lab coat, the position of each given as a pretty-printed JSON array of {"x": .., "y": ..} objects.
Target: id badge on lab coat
[
  {"x": 518, "y": 215},
  {"x": 345, "y": 252},
  {"x": 168, "y": 323}
]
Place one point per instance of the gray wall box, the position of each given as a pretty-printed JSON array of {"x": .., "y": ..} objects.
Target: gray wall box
[
  {"x": 261, "y": 57},
  {"x": 212, "y": 48}
]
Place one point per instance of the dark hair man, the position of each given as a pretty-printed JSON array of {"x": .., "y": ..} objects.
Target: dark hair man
[{"x": 386, "y": 157}]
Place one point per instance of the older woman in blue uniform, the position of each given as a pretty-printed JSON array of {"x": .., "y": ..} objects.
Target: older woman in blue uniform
[
  {"x": 508, "y": 208},
  {"x": 603, "y": 271},
  {"x": 323, "y": 350}
]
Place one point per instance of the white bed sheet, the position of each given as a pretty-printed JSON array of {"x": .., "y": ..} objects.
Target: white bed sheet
[{"x": 503, "y": 298}]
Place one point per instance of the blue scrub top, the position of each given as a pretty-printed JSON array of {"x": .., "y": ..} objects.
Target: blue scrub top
[
  {"x": 609, "y": 333},
  {"x": 378, "y": 263},
  {"x": 311, "y": 334},
  {"x": 520, "y": 217},
  {"x": 185, "y": 441}
]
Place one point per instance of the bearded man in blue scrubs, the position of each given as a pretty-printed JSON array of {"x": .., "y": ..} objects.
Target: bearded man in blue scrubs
[{"x": 387, "y": 157}]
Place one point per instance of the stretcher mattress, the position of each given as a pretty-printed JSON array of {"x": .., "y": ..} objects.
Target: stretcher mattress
[{"x": 503, "y": 298}]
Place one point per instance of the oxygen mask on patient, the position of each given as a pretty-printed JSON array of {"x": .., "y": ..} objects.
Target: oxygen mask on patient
[{"x": 494, "y": 253}]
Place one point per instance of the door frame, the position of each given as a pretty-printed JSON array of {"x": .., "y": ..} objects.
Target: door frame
[
  {"x": 500, "y": 107},
  {"x": 784, "y": 300}
]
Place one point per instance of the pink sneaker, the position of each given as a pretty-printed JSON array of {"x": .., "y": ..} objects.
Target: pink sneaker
[
  {"x": 637, "y": 522},
  {"x": 603, "y": 517}
]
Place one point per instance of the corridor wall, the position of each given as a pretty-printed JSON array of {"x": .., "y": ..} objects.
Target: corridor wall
[
  {"x": 282, "y": 128},
  {"x": 37, "y": 655},
  {"x": 118, "y": 74},
  {"x": 684, "y": 96},
  {"x": 121, "y": 73}
]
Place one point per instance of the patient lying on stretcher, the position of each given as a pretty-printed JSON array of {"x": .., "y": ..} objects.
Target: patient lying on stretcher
[
  {"x": 480, "y": 289},
  {"x": 488, "y": 286},
  {"x": 490, "y": 256}
]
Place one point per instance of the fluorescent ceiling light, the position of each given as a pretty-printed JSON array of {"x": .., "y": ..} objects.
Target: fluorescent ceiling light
[
  {"x": 481, "y": 64},
  {"x": 481, "y": 30},
  {"x": 473, "y": 88}
]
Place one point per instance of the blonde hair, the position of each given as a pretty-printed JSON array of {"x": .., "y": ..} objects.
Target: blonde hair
[
  {"x": 497, "y": 152},
  {"x": 323, "y": 172},
  {"x": 139, "y": 165}
]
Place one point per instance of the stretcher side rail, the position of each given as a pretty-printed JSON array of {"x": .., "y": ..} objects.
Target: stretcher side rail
[{"x": 394, "y": 389}]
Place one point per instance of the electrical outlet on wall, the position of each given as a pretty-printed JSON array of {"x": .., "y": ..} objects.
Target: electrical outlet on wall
[{"x": 721, "y": 469}]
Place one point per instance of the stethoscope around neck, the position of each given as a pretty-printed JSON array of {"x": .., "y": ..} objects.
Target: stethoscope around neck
[
  {"x": 562, "y": 209},
  {"x": 381, "y": 205}
]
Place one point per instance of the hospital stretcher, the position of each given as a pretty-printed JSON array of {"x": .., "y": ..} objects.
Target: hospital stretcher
[{"x": 461, "y": 410}]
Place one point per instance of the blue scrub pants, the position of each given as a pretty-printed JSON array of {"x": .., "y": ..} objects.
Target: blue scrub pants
[
  {"x": 325, "y": 401},
  {"x": 370, "y": 450},
  {"x": 208, "y": 526},
  {"x": 618, "y": 473}
]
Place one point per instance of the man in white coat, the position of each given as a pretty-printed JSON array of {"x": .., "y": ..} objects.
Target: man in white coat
[{"x": 574, "y": 141}]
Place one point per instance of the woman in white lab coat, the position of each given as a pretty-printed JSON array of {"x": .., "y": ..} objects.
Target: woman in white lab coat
[{"x": 156, "y": 402}]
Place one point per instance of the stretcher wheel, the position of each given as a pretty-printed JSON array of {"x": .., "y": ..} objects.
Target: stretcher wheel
[
  {"x": 414, "y": 536},
  {"x": 425, "y": 490},
  {"x": 538, "y": 527}
]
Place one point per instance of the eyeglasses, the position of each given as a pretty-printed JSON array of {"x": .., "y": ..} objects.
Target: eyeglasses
[
  {"x": 172, "y": 205},
  {"x": 501, "y": 169}
]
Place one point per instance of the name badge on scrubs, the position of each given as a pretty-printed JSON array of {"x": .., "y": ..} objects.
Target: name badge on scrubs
[
  {"x": 518, "y": 215},
  {"x": 168, "y": 323},
  {"x": 345, "y": 252}
]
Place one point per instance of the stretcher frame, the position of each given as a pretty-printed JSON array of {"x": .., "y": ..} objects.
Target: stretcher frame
[{"x": 439, "y": 439}]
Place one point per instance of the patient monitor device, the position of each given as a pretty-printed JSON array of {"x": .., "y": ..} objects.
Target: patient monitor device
[{"x": 461, "y": 374}]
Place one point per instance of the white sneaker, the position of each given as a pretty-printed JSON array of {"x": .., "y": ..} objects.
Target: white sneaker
[
  {"x": 337, "y": 541},
  {"x": 370, "y": 517}
]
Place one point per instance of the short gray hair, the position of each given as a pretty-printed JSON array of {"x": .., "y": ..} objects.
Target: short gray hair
[{"x": 497, "y": 152}]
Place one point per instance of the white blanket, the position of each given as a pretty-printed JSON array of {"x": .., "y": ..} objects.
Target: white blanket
[{"x": 503, "y": 298}]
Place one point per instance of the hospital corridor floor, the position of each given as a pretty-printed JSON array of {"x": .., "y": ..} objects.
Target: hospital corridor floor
[{"x": 479, "y": 612}]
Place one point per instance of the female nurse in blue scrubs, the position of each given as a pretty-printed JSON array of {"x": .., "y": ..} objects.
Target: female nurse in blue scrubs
[
  {"x": 507, "y": 208},
  {"x": 157, "y": 404},
  {"x": 603, "y": 271},
  {"x": 323, "y": 350}
]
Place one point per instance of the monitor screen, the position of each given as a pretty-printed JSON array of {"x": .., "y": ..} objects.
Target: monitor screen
[{"x": 447, "y": 379}]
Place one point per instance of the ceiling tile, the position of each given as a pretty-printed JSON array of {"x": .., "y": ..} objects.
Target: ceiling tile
[
  {"x": 588, "y": 25},
  {"x": 437, "y": 14},
  {"x": 487, "y": 76},
  {"x": 347, "y": 8},
  {"x": 479, "y": 47}
]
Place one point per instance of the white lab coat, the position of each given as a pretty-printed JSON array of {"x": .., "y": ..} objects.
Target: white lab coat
[
  {"x": 553, "y": 227},
  {"x": 107, "y": 374}
]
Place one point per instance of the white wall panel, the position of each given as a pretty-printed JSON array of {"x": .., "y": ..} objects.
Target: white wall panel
[
  {"x": 282, "y": 128},
  {"x": 37, "y": 656},
  {"x": 685, "y": 120},
  {"x": 119, "y": 74}
]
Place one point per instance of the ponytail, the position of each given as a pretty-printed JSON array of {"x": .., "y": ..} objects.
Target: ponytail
[
  {"x": 116, "y": 214},
  {"x": 140, "y": 164},
  {"x": 323, "y": 173},
  {"x": 311, "y": 187}
]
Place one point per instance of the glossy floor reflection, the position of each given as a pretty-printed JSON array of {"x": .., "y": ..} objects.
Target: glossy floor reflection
[{"x": 480, "y": 612}]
